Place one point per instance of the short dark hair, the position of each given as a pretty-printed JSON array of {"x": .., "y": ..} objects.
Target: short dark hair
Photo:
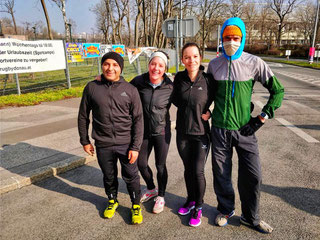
[{"x": 190, "y": 44}]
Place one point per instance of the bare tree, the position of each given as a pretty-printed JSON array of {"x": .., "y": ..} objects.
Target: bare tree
[
  {"x": 154, "y": 42},
  {"x": 145, "y": 22},
  {"x": 121, "y": 8},
  {"x": 7, "y": 7},
  {"x": 282, "y": 8},
  {"x": 109, "y": 9},
  {"x": 235, "y": 7},
  {"x": 102, "y": 18},
  {"x": 128, "y": 24},
  {"x": 137, "y": 22},
  {"x": 7, "y": 26},
  {"x": 166, "y": 9},
  {"x": 47, "y": 19},
  {"x": 305, "y": 16},
  {"x": 249, "y": 13},
  {"x": 210, "y": 11},
  {"x": 62, "y": 6}
]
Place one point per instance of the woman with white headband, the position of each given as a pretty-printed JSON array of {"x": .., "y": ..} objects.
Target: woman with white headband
[
  {"x": 155, "y": 89},
  {"x": 193, "y": 96}
]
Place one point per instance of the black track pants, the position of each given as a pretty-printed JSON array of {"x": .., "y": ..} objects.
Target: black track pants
[
  {"x": 249, "y": 172},
  {"x": 161, "y": 147},
  {"x": 194, "y": 151},
  {"x": 107, "y": 159}
]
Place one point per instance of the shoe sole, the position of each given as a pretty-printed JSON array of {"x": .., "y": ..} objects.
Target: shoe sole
[
  {"x": 157, "y": 211},
  {"x": 136, "y": 223},
  {"x": 257, "y": 228},
  {"x": 183, "y": 214},
  {"x": 195, "y": 225}
]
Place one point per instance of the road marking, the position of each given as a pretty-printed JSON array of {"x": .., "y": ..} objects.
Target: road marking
[
  {"x": 297, "y": 131},
  {"x": 273, "y": 64},
  {"x": 301, "y": 77},
  {"x": 260, "y": 104}
]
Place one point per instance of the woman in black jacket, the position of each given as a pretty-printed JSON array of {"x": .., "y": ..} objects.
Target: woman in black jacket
[
  {"x": 193, "y": 96},
  {"x": 155, "y": 90}
]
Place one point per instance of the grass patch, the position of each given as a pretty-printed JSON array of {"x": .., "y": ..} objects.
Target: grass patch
[
  {"x": 29, "y": 99},
  {"x": 295, "y": 63},
  {"x": 206, "y": 60}
]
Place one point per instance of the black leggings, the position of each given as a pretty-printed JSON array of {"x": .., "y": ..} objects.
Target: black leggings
[
  {"x": 161, "y": 147},
  {"x": 107, "y": 159},
  {"x": 194, "y": 151}
]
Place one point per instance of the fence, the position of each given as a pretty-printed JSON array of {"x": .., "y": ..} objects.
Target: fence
[{"x": 80, "y": 74}]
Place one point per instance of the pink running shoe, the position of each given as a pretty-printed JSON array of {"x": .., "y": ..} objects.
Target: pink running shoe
[
  {"x": 186, "y": 208},
  {"x": 195, "y": 219},
  {"x": 148, "y": 194},
  {"x": 159, "y": 205}
]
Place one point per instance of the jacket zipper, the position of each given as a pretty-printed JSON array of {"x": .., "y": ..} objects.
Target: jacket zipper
[
  {"x": 111, "y": 114},
  {"x": 191, "y": 87},
  {"x": 150, "y": 111},
  {"x": 228, "y": 92}
]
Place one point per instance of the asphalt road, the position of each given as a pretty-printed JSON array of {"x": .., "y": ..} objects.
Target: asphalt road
[{"x": 71, "y": 205}]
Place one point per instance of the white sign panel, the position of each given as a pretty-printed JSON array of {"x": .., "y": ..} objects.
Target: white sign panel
[
  {"x": 288, "y": 52},
  {"x": 105, "y": 49},
  {"x": 133, "y": 54},
  {"x": 31, "y": 56}
]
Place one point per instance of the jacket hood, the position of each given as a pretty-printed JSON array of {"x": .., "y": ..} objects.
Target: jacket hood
[{"x": 239, "y": 23}]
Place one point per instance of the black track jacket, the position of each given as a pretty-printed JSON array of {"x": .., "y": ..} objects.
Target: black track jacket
[
  {"x": 192, "y": 100},
  {"x": 155, "y": 103},
  {"x": 117, "y": 117}
]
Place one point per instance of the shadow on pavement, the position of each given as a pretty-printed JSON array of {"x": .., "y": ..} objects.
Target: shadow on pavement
[
  {"x": 75, "y": 184},
  {"x": 313, "y": 127},
  {"x": 23, "y": 159},
  {"x": 304, "y": 199}
]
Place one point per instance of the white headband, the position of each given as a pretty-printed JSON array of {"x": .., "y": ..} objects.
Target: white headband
[{"x": 160, "y": 55}]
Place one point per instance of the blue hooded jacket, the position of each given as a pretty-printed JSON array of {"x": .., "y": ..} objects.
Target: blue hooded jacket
[{"x": 239, "y": 23}]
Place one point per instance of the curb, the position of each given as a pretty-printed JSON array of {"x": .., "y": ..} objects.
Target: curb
[{"x": 39, "y": 174}]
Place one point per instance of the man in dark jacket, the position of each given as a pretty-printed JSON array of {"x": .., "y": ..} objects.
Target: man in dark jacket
[{"x": 117, "y": 128}]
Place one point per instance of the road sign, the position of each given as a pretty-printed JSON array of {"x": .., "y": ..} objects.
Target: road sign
[{"x": 190, "y": 27}]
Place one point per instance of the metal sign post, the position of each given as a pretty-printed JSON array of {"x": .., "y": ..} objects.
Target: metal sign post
[
  {"x": 18, "y": 84},
  {"x": 66, "y": 71},
  {"x": 177, "y": 44}
]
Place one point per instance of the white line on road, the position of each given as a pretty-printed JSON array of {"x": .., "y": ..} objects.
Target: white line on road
[
  {"x": 297, "y": 131},
  {"x": 260, "y": 104},
  {"x": 302, "y": 77}
]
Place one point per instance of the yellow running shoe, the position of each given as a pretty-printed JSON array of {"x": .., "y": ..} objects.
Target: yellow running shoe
[
  {"x": 136, "y": 214},
  {"x": 111, "y": 209}
]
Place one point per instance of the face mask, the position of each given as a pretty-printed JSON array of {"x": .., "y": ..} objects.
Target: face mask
[{"x": 231, "y": 47}]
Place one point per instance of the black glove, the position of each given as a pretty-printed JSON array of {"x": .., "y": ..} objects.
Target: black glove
[{"x": 251, "y": 127}]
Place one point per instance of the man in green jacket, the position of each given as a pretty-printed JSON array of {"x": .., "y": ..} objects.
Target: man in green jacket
[{"x": 235, "y": 74}]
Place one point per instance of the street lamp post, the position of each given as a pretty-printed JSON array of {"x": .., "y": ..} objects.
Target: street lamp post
[{"x": 312, "y": 49}]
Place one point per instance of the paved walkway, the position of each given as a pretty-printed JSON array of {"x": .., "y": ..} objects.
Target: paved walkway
[{"x": 40, "y": 141}]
